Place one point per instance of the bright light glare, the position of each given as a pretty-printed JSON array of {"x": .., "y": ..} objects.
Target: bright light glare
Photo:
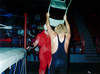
[{"x": 5, "y": 27}]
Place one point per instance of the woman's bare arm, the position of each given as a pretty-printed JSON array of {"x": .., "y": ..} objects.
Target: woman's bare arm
[
  {"x": 50, "y": 30},
  {"x": 67, "y": 24}
]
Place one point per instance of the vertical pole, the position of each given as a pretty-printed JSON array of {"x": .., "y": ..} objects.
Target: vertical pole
[
  {"x": 99, "y": 47},
  {"x": 82, "y": 36},
  {"x": 14, "y": 68},
  {"x": 20, "y": 42},
  {"x": 25, "y": 30},
  {"x": 97, "y": 44},
  {"x": 19, "y": 68},
  {"x": 84, "y": 47}
]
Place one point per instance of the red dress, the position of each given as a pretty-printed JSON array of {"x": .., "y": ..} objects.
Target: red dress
[{"x": 44, "y": 52}]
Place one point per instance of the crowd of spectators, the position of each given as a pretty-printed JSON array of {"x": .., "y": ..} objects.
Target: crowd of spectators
[
  {"x": 17, "y": 32},
  {"x": 17, "y": 35}
]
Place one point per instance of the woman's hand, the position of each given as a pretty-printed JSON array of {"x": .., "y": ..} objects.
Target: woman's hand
[
  {"x": 47, "y": 14},
  {"x": 65, "y": 17},
  {"x": 27, "y": 47}
]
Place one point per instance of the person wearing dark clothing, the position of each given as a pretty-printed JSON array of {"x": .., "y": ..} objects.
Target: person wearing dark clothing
[
  {"x": 59, "y": 59},
  {"x": 60, "y": 39}
]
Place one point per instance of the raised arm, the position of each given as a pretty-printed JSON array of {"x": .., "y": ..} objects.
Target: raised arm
[
  {"x": 50, "y": 30},
  {"x": 67, "y": 24}
]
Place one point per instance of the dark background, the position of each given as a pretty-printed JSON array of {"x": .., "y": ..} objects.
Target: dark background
[{"x": 32, "y": 7}]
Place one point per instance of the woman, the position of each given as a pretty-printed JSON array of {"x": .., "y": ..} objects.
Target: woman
[{"x": 60, "y": 39}]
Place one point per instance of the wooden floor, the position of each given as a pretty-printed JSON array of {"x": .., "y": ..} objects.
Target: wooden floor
[{"x": 74, "y": 68}]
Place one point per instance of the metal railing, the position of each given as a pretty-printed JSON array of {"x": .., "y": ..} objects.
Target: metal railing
[{"x": 97, "y": 44}]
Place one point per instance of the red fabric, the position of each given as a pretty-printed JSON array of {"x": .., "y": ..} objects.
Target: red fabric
[
  {"x": 44, "y": 52},
  {"x": 7, "y": 40}
]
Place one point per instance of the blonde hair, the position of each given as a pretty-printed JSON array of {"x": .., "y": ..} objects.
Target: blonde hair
[{"x": 61, "y": 29}]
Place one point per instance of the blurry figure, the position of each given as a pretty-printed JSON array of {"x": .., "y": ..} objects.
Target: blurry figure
[
  {"x": 33, "y": 25},
  {"x": 30, "y": 33},
  {"x": 20, "y": 40},
  {"x": 21, "y": 32},
  {"x": 44, "y": 43},
  {"x": 14, "y": 40},
  {"x": 9, "y": 33},
  {"x": 21, "y": 37},
  {"x": 37, "y": 18},
  {"x": 34, "y": 31}
]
